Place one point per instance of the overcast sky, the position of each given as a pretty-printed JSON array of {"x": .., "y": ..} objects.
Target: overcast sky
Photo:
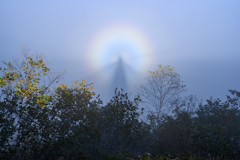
[{"x": 102, "y": 40}]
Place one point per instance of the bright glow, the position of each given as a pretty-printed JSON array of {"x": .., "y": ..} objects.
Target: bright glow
[{"x": 125, "y": 41}]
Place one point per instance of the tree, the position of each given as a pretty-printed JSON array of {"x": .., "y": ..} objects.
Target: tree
[
  {"x": 217, "y": 128},
  {"x": 121, "y": 127},
  {"x": 24, "y": 106},
  {"x": 76, "y": 117},
  {"x": 23, "y": 79},
  {"x": 28, "y": 119},
  {"x": 162, "y": 89}
]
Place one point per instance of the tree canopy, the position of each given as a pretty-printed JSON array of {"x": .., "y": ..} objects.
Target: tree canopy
[{"x": 41, "y": 121}]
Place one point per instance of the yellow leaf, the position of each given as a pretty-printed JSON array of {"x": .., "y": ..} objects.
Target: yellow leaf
[{"x": 83, "y": 81}]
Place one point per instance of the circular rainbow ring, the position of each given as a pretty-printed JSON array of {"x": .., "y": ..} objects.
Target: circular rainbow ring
[{"x": 120, "y": 40}]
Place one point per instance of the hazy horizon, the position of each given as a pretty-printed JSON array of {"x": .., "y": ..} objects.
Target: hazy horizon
[{"x": 87, "y": 38}]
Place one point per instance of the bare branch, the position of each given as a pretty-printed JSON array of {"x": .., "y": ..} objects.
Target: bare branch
[{"x": 162, "y": 89}]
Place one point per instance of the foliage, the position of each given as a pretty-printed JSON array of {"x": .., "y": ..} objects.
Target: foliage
[
  {"x": 218, "y": 131},
  {"x": 76, "y": 115},
  {"x": 27, "y": 115},
  {"x": 211, "y": 131},
  {"x": 23, "y": 107},
  {"x": 121, "y": 126},
  {"x": 39, "y": 122}
]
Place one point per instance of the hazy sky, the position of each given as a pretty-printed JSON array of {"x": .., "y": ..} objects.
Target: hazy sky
[{"x": 101, "y": 41}]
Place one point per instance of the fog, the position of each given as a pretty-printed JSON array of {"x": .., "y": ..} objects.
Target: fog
[{"x": 88, "y": 38}]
